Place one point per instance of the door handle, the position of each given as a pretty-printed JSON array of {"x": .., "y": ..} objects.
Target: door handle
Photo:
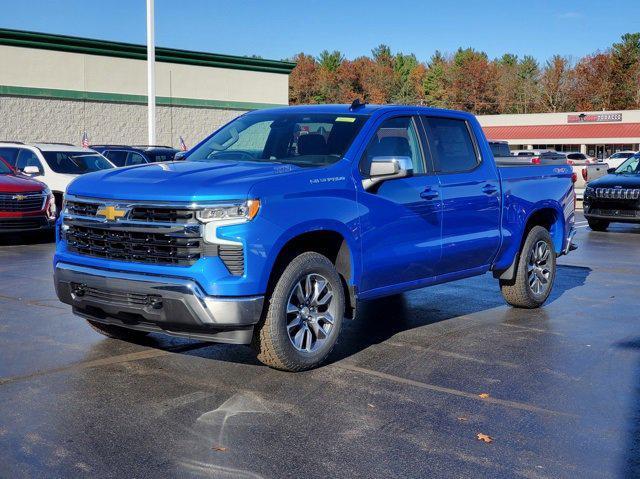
[
  {"x": 429, "y": 194},
  {"x": 489, "y": 189}
]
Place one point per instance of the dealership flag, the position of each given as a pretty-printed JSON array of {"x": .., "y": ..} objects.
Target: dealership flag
[
  {"x": 183, "y": 146},
  {"x": 85, "y": 140}
]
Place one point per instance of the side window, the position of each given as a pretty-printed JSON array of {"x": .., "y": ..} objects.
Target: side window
[
  {"x": 118, "y": 158},
  {"x": 28, "y": 158},
  {"x": 135, "y": 159},
  {"x": 451, "y": 145},
  {"x": 395, "y": 137}
]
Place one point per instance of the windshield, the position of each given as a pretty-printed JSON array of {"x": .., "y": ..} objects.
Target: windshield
[
  {"x": 630, "y": 167},
  {"x": 621, "y": 155},
  {"x": 75, "y": 162},
  {"x": 4, "y": 168},
  {"x": 313, "y": 139}
]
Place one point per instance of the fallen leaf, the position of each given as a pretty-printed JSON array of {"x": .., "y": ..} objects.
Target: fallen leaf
[
  {"x": 462, "y": 418},
  {"x": 219, "y": 448},
  {"x": 484, "y": 395},
  {"x": 484, "y": 437},
  {"x": 371, "y": 406}
]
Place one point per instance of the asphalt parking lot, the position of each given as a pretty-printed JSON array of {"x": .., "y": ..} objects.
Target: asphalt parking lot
[{"x": 400, "y": 397}]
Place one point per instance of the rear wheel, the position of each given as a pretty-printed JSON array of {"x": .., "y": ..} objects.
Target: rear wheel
[
  {"x": 535, "y": 272},
  {"x": 116, "y": 332},
  {"x": 304, "y": 315},
  {"x": 598, "y": 225}
]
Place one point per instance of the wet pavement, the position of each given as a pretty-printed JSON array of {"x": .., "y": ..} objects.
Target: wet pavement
[{"x": 400, "y": 396}]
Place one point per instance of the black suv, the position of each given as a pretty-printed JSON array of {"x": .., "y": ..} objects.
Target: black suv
[
  {"x": 614, "y": 198},
  {"x": 121, "y": 155}
]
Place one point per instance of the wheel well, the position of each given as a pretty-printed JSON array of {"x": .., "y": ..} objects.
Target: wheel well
[
  {"x": 549, "y": 219},
  {"x": 328, "y": 243}
]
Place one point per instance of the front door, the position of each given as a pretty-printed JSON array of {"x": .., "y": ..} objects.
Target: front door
[
  {"x": 401, "y": 218},
  {"x": 470, "y": 191}
]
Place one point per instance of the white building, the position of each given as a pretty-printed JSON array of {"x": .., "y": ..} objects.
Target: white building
[
  {"x": 54, "y": 88},
  {"x": 598, "y": 133}
]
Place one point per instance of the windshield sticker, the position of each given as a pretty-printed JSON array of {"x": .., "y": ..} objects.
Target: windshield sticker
[{"x": 346, "y": 119}]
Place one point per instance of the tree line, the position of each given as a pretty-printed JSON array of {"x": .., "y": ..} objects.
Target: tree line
[{"x": 469, "y": 80}]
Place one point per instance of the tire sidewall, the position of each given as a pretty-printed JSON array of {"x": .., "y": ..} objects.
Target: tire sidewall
[
  {"x": 302, "y": 265},
  {"x": 537, "y": 233}
]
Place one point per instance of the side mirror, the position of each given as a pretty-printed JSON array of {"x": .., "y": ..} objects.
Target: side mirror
[
  {"x": 179, "y": 156},
  {"x": 387, "y": 168},
  {"x": 611, "y": 170},
  {"x": 31, "y": 170}
]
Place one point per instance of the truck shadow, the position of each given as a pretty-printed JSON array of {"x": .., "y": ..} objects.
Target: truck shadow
[{"x": 379, "y": 320}]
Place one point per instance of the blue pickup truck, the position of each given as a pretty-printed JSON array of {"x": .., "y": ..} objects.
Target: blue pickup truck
[{"x": 280, "y": 221}]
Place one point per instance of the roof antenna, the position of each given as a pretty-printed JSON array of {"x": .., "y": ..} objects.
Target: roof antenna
[{"x": 355, "y": 104}]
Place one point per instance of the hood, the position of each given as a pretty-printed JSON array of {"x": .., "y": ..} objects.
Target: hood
[
  {"x": 19, "y": 184},
  {"x": 178, "y": 180},
  {"x": 611, "y": 181}
]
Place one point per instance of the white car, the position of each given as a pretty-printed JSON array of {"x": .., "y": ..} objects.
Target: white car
[
  {"x": 618, "y": 158},
  {"x": 55, "y": 164}
]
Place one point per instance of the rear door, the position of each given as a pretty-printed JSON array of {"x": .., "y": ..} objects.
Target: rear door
[
  {"x": 401, "y": 217},
  {"x": 470, "y": 192}
]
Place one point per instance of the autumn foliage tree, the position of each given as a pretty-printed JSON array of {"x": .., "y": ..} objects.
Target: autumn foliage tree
[{"x": 468, "y": 79}]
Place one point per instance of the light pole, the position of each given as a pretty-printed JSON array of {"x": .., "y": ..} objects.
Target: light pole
[{"x": 151, "y": 75}]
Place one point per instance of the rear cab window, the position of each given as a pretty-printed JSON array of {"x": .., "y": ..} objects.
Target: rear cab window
[{"x": 452, "y": 147}]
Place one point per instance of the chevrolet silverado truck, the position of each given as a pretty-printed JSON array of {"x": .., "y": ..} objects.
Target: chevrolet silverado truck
[{"x": 278, "y": 223}]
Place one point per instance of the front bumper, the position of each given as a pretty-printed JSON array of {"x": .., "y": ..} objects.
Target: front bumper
[
  {"x": 159, "y": 304},
  {"x": 25, "y": 223},
  {"x": 624, "y": 214}
]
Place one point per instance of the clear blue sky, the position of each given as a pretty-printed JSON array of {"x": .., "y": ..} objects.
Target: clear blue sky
[{"x": 280, "y": 28}]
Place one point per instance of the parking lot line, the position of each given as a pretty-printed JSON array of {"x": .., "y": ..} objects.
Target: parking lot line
[
  {"x": 122, "y": 358},
  {"x": 451, "y": 391}
]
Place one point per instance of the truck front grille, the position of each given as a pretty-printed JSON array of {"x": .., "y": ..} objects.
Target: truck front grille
[
  {"x": 131, "y": 246},
  {"x": 159, "y": 214},
  {"x": 22, "y": 202},
  {"x": 618, "y": 193}
]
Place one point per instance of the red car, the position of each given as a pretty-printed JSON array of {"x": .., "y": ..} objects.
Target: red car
[{"x": 25, "y": 204}]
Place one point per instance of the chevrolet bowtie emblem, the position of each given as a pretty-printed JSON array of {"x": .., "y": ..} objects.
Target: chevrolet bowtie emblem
[
  {"x": 111, "y": 213},
  {"x": 19, "y": 197}
]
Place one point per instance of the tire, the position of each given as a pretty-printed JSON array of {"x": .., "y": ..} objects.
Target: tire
[
  {"x": 598, "y": 225},
  {"x": 307, "y": 303},
  {"x": 535, "y": 272},
  {"x": 116, "y": 332}
]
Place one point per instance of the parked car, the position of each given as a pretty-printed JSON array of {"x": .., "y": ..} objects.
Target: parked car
[
  {"x": 25, "y": 204},
  {"x": 121, "y": 155},
  {"x": 500, "y": 149},
  {"x": 586, "y": 169},
  {"x": 269, "y": 236},
  {"x": 55, "y": 164},
  {"x": 533, "y": 157},
  {"x": 614, "y": 198},
  {"x": 618, "y": 158}
]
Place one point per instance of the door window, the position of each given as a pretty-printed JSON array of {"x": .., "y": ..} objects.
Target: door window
[
  {"x": 451, "y": 145},
  {"x": 136, "y": 159},
  {"x": 396, "y": 137},
  {"x": 28, "y": 158}
]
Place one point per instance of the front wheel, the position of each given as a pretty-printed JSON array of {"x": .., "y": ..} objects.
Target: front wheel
[
  {"x": 304, "y": 315},
  {"x": 535, "y": 272},
  {"x": 598, "y": 225}
]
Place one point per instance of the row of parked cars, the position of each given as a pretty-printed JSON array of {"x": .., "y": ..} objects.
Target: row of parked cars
[
  {"x": 34, "y": 177},
  {"x": 610, "y": 189}
]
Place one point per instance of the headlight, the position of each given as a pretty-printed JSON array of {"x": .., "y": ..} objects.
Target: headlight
[{"x": 241, "y": 211}]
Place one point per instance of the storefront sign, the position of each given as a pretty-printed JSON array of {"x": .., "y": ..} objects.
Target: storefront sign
[{"x": 594, "y": 118}]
